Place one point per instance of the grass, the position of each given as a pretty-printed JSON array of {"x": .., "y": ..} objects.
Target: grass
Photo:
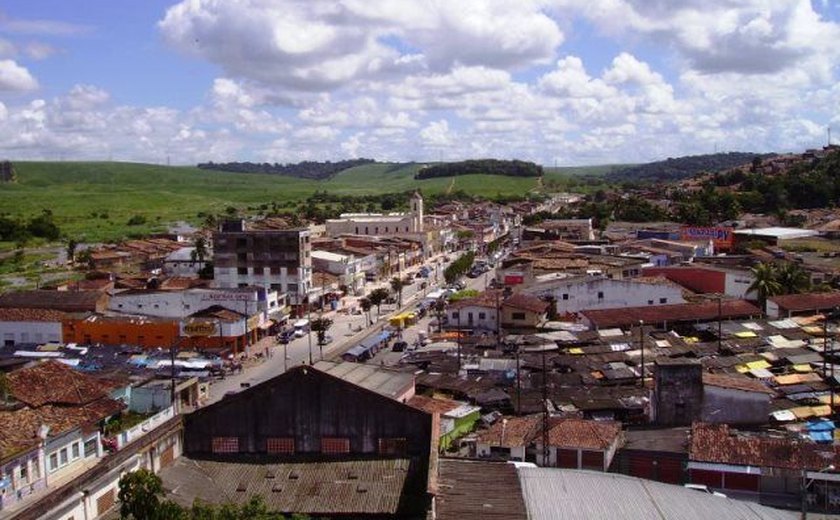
[{"x": 93, "y": 201}]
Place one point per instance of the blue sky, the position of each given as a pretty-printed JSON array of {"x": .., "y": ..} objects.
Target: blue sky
[{"x": 565, "y": 81}]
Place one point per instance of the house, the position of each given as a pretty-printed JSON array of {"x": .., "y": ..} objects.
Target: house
[
  {"x": 479, "y": 313},
  {"x": 182, "y": 262},
  {"x": 522, "y": 311},
  {"x": 708, "y": 279},
  {"x": 579, "y": 443},
  {"x": 55, "y": 430},
  {"x": 789, "y": 305},
  {"x": 30, "y": 326},
  {"x": 656, "y": 454},
  {"x": 456, "y": 418},
  {"x": 508, "y": 438},
  {"x": 735, "y": 399},
  {"x": 264, "y": 439},
  {"x": 346, "y": 268}
]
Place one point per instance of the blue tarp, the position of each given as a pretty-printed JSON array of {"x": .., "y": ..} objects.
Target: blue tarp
[
  {"x": 820, "y": 436},
  {"x": 821, "y": 425}
]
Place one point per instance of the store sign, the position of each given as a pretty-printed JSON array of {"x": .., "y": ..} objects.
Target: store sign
[
  {"x": 514, "y": 278},
  {"x": 200, "y": 328},
  {"x": 228, "y": 297},
  {"x": 721, "y": 237}
]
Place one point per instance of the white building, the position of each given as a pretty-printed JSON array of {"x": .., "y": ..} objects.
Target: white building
[
  {"x": 583, "y": 293},
  {"x": 378, "y": 224},
  {"x": 346, "y": 267},
  {"x": 30, "y": 326},
  {"x": 181, "y": 263},
  {"x": 180, "y": 304}
]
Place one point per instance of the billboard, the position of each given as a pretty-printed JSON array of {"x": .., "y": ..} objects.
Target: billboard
[
  {"x": 200, "y": 328},
  {"x": 721, "y": 237},
  {"x": 514, "y": 278}
]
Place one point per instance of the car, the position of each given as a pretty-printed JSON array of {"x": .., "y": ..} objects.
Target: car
[
  {"x": 703, "y": 488},
  {"x": 299, "y": 333},
  {"x": 399, "y": 346},
  {"x": 285, "y": 336}
]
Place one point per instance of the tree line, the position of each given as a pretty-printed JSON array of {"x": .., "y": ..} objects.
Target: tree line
[
  {"x": 679, "y": 168},
  {"x": 513, "y": 168},
  {"x": 16, "y": 229},
  {"x": 305, "y": 170}
]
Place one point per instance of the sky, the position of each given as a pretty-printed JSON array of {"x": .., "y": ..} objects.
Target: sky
[{"x": 557, "y": 82}]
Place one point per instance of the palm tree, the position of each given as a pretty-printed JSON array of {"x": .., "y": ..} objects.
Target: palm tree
[
  {"x": 793, "y": 279},
  {"x": 397, "y": 286},
  {"x": 199, "y": 252},
  {"x": 440, "y": 308},
  {"x": 765, "y": 284}
]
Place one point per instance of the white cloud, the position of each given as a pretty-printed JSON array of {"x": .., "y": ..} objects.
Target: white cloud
[{"x": 15, "y": 77}]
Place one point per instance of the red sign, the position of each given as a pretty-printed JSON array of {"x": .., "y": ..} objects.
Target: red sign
[{"x": 514, "y": 279}]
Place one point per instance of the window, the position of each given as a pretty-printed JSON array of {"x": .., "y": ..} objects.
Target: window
[
  {"x": 663, "y": 300},
  {"x": 600, "y": 295},
  {"x": 335, "y": 445},
  {"x": 90, "y": 447},
  {"x": 36, "y": 468},
  {"x": 280, "y": 445},
  {"x": 242, "y": 258},
  {"x": 74, "y": 450},
  {"x": 105, "y": 502},
  {"x": 24, "y": 472},
  {"x": 241, "y": 270},
  {"x": 455, "y": 315},
  {"x": 566, "y": 296},
  {"x": 225, "y": 445},
  {"x": 650, "y": 302},
  {"x": 518, "y": 315},
  {"x": 357, "y": 230},
  {"x": 386, "y": 229},
  {"x": 53, "y": 461},
  {"x": 482, "y": 315},
  {"x": 241, "y": 242},
  {"x": 366, "y": 230},
  {"x": 291, "y": 287},
  {"x": 376, "y": 230},
  {"x": 62, "y": 456},
  {"x": 392, "y": 446}
]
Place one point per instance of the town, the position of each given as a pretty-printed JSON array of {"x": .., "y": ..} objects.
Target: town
[{"x": 457, "y": 360}]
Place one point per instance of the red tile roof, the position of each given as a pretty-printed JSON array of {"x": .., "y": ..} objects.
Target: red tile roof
[
  {"x": 56, "y": 383},
  {"x": 807, "y": 302},
  {"x": 431, "y": 405},
  {"x": 511, "y": 432},
  {"x": 736, "y": 383},
  {"x": 582, "y": 433},
  {"x": 526, "y": 302},
  {"x": 716, "y": 443},
  {"x": 49, "y": 315},
  {"x": 705, "y": 311}
]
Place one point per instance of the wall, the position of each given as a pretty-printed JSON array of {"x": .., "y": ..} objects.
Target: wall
[
  {"x": 373, "y": 225},
  {"x": 487, "y": 323},
  {"x": 678, "y": 393},
  {"x": 532, "y": 319},
  {"x": 12, "y": 486},
  {"x": 726, "y": 405},
  {"x": 145, "y": 333},
  {"x": 582, "y": 294},
  {"x": 30, "y": 332},
  {"x": 179, "y": 304}
]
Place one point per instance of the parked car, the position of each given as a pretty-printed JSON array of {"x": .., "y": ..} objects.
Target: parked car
[
  {"x": 285, "y": 336},
  {"x": 399, "y": 346}
]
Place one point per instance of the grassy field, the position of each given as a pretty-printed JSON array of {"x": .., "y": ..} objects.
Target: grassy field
[{"x": 93, "y": 201}]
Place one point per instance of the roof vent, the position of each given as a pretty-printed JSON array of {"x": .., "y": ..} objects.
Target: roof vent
[
  {"x": 241, "y": 487},
  {"x": 269, "y": 474},
  {"x": 361, "y": 489},
  {"x": 276, "y": 488},
  {"x": 293, "y": 475},
  {"x": 352, "y": 476}
]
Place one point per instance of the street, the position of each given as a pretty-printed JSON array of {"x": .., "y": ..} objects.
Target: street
[{"x": 347, "y": 330}]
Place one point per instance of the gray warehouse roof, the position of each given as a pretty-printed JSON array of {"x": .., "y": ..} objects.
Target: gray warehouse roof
[
  {"x": 559, "y": 494},
  {"x": 385, "y": 382}
]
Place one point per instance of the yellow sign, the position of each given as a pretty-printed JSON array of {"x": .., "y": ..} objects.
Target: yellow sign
[
  {"x": 253, "y": 322},
  {"x": 200, "y": 328}
]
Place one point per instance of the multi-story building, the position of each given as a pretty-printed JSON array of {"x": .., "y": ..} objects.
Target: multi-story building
[{"x": 279, "y": 260}]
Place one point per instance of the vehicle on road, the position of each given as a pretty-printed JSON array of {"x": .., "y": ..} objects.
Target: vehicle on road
[
  {"x": 399, "y": 346},
  {"x": 301, "y": 328},
  {"x": 286, "y": 336}
]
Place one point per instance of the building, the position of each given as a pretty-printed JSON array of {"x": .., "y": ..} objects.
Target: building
[
  {"x": 772, "y": 235},
  {"x": 181, "y": 263},
  {"x": 704, "y": 279},
  {"x": 572, "y": 295},
  {"x": 277, "y": 260},
  {"x": 369, "y": 447},
  {"x": 565, "y": 229},
  {"x": 522, "y": 311},
  {"x": 663, "y": 316},
  {"x": 346, "y": 268},
  {"x": 392, "y": 384},
  {"x": 30, "y": 326},
  {"x": 677, "y": 391},
  {"x": 456, "y": 418},
  {"x": 479, "y": 313},
  {"x": 508, "y": 438},
  {"x": 377, "y": 224},
  {"x": 580, "y": 444}
]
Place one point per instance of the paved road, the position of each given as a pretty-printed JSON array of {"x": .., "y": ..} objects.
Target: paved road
[{"x": 347, "y": 330}]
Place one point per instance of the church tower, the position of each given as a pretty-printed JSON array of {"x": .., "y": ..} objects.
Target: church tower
[{"x": 417, "y": 211}]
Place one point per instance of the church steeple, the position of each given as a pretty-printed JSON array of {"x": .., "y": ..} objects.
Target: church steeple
[{"x": 417, "y": 211}]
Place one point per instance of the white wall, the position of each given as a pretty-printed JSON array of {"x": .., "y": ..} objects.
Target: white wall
[
  {"x": 601, "y": 293},
  {"x": 373, "y": 225},
  {"x": 487, "y": 323},
  {"x": 179, "y": 304},
  {"x": 736, "y": 285},
  {"x": 30, "y": 331}
]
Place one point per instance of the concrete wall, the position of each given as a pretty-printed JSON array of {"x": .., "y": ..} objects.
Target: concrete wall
[
  {"x": 678, "y": 393},
  {"x": 600, "y": 293},
  {"x": 731, "y": 406},
  {"x": 30, "y": 332},
  {"x": 488, "y": 322}
]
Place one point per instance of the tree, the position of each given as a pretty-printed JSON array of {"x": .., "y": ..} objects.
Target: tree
[
  {"x": 365, "y": 304},
  {"x": 377, "y": 297},
  {"x": 72, "y": 244},
  {"x": 397, "y": 286},
  {"x": 199, "y": 252},
  {"x": 792, "y": 279},
  {"x": 321, "y": 326},
  {"x": 140, "y": 495},
  {"x": 765, "y": 284},
  {"x": 85, "y": 257}
]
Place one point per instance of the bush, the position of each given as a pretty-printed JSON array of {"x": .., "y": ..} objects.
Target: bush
[{"x": 136, "y": 220}]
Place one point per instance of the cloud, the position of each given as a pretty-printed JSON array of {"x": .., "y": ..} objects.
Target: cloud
[
  {"x": 41, "y": 26},
  {"x": 14, "y": 77}
]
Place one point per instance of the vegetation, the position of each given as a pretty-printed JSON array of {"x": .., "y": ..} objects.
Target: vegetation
[
  {"x": 141, "y": 498},
  {"x": 673, "y": 169},
  {"x": 17, "y": 229},
  {"x": 397, "y": 285},
  {"x": 482, "y": 167},
  {"x": 459, "y": 267},
  {"x": 463, "y": 295},
  {"x": 366, "y": 305},
  {"x": 773, "y": 279},
  {"x": 321, "y": 326},
  {"x": 304, "y": 170},
  {"x": 377, "y": 297}
]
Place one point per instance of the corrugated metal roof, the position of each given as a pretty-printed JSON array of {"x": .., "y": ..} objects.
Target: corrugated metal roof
[
  {"x": 558, "y": 494},
  {"x": 385, "y": 382}
]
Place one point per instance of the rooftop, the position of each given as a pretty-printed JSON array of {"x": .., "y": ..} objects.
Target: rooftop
[
  {"x": 807, "y": 301},
  {"x": 389, "y": 383},
  {"x": 478, "y": 489},
  {"x": 583, "y": 433},
  {"x": 671, "y": 313},
  {"x": 52, "y": 382}
]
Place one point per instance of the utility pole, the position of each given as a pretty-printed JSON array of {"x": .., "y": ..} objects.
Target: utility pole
[
  {"x": 458, "y": 336},
  {"x": 720, "y": 319},
  {"x": 309, "y": 332},
  {"x": 518, "y": 385},
  {"x": 545, "y": 411},
  {"x": 642, "y": 346}
]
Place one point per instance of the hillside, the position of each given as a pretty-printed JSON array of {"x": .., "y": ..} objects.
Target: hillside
[
  {"x": 481, "y": 167},
  {"x": 303, "y": 170},
  {"x": 673, "y": 169}
]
